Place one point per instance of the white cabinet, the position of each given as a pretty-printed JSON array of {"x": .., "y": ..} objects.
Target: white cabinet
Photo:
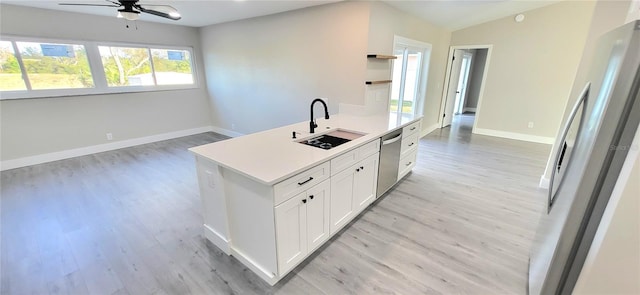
[
  {"x": 302, "y": 225},
  {"x": 352, "y": 190},
  {"x": 365, "y": 182},
  {"x": 409, "y": 150},
  {"x": 341, "y": 199}
]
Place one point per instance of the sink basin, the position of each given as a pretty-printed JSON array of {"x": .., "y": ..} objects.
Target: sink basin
[
  {"x": 346, "y": 134},
  {"x": 331, "y": 139}
]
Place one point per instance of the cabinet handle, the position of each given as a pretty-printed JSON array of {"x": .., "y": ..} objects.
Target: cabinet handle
[
  {"x": 361, "y": 167},
  {"x": 357, "y": 169},
  {"x": 311, "y": 197},
  {"x": 304, "y": 201},
  {"x": 411, "y": 144},
  {"x": 310, "y": 179},
  {"x": 412, "y": 128},
  {"x": 409, "y": 163}
]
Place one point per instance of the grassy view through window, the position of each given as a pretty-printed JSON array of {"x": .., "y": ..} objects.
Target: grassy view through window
[{"x": 61, "y": 68}]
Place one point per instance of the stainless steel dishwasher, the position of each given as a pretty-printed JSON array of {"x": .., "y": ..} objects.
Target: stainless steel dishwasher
[{"x": 389, "y": 160}]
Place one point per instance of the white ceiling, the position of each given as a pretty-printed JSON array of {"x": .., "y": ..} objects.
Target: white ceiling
[
  {"x": 451, "y": 14},
  {"x": 458, "y": 14}
]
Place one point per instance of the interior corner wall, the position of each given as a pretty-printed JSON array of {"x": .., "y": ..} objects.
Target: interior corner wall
[
  {"x": 531, "y": 68},
  {"x": 264, "y": 72},
  {"x": 33, "y": 127},
  {"x": 385, "y": 22},
  {"x": 607, "y": 15}
]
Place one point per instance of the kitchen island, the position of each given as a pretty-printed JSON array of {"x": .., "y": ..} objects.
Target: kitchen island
[{"x": 270, "y": 200}]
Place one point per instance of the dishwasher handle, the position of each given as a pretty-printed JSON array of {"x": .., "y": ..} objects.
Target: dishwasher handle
[{"x": 392, "y": 140}]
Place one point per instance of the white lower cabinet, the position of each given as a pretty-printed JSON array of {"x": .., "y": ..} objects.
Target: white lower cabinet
[
  {"x": 302, "y": 225},
  {"x": 271, "y": 228},
  {"x": 365, "y": 182},
  {"x": 352, "y": 190}
]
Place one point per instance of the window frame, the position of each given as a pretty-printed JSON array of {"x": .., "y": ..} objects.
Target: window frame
[{"x": 97, "y": 70}]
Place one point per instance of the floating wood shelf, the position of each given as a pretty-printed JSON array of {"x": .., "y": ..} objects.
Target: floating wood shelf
[
  {"x": 377, "y": 82},
  {"x": 381, "y": 56}
]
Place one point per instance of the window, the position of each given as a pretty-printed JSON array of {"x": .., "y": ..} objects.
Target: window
[
  {"x": 10, "y": 73},
  {"x": 126, "y": 66},
  {"x": 37, "y": 68},
  {"x": 55, "y": 66},
  {"x": 172, "y": 67}
]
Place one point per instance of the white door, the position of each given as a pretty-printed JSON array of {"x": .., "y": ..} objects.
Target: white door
[
  {"x": 463, "y": 83},
  {"x": 452, "y": 88},
  {"x": 318, "y": 215},
  {"x": 291, "y": 232},
  {"x": 365, "y": 182},
  {"x": 341, "y": 199}
]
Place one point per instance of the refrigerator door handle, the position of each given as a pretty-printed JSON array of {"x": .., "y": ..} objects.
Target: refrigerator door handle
[{"x": 560, "y": 153}]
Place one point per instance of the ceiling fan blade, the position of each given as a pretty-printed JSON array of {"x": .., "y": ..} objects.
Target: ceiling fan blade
[
  {"x": 171, "y": 14},
  {"x": 87, "y": 4}
]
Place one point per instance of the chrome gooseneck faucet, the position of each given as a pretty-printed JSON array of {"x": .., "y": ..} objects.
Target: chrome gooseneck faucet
[{"x": 312, "y": 123}]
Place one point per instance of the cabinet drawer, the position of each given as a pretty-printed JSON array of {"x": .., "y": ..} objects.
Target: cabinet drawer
[
  {"x": 343, "y": 161},
  {"x": 407, "y": 162},
  {"x": 410, "y": 142},
  {"x": 368, "y": 149},
  {"x": 289, "y": 187},
  {"x": 347, "y": 159},
  {"x": 410, "y": 129}
]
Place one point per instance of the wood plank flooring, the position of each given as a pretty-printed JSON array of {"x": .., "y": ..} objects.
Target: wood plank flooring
[{"x": 129, "y": 222}]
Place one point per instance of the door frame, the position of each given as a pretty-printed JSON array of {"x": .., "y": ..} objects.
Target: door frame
[{"x": 447, "y": 77}]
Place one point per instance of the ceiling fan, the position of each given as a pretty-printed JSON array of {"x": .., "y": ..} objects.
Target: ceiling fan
[{"x": 130, "y": 9}]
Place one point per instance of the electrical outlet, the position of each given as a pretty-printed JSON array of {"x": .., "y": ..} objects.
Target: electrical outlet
[
  {"x": 109, "y": 136},
  {"x": 530, "y": 125}
]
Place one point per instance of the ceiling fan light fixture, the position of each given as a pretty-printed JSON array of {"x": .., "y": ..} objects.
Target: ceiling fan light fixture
[{"x": 128, "y": 15}]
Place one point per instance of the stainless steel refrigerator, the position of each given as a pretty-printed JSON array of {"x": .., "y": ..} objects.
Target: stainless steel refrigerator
[{"x": 595, "y": 141}]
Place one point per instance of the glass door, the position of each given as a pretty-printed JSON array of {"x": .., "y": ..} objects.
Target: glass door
[{"x": 405, "y": 88}]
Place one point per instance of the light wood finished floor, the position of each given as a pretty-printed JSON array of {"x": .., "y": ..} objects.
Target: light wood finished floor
[{"x": 129, "y": 222}]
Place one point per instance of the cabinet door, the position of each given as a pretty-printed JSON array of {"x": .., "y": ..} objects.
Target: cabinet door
[
  {"x": 365, "y": 183},
  {"x": 291, "y": 232},
  {"x": 341, "y": 199},
  {"x": 318, "y": 215}
]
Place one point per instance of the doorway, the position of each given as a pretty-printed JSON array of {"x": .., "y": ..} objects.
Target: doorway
[
  {"x": 465, "y": 78},
  {"x": 409, "y": 78}
]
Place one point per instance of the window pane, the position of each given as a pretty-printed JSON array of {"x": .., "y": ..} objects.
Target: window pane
[
  {"x": 172, "y": 67},
  {"x": 411, "y": 82},
  {"x": 126, "y": 66},
  {"x": 55, "y": 66},
  {"x": 10, "y": 73}
]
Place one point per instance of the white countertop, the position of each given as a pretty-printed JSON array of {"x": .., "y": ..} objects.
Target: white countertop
[{"x": 271, "y": 156}]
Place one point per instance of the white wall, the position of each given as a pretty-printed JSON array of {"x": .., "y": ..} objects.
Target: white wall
[
  {"x": 31, "y": 127},
  {"x": 264, "y": 72},
  {"x": 384, "y": 23},
  {"x": 532, "y": 67}
]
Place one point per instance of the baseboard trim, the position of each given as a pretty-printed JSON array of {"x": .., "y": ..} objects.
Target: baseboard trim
[
  {"x": 429, "y": 129},
  {"x": 513, "y": 135},
  {"x": 226, "y": 132},
  {"x": 83, "y": 151},
  {"x": 472, "y": 110},
  {"x": 544, "y": 182}
]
